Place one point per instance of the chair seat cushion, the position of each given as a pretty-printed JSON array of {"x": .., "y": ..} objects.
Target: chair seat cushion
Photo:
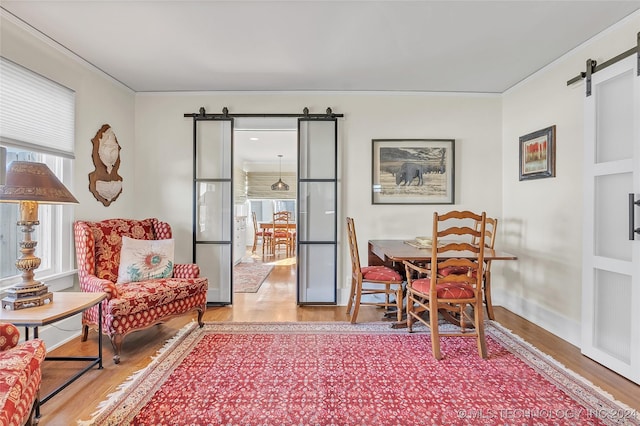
[
  {"x": 444, "y": 290},
  {"x": 456, "y": 270},
  {"x": 454, "y": 291},
  {"x": 380, "y": 273},
  {"x": 134, "y": 297}
]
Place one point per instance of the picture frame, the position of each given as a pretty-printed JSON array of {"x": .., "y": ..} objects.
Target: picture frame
[
  {"x": 413, "y": 171},
  {"x": 538, "y": 154}
]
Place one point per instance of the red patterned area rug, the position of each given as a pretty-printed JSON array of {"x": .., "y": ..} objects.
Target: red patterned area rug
[
  {"x": 344, "y": 374},
  {"x": 248, "y": 276}
]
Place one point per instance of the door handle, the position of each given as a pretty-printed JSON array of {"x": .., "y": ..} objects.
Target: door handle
[{"x": 632, "y": 227}]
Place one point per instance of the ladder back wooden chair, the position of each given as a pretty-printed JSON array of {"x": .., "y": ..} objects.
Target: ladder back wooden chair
[
  {"x": 262, "y": 235},
  {"x": 282, "y": 235},
  {"x": 491, "y": 230},
  {"x": 450, "y": 295},
  {"x": 371, "y": 280}
]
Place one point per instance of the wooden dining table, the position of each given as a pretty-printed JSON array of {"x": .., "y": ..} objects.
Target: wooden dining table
[
  {"x": 265, "y": 226},
  {"x": 269, "y": 225},
  {"x": 393, "y": 253}
]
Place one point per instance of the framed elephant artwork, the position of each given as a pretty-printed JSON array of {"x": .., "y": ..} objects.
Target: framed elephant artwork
[{"x": 413, "y": 171}]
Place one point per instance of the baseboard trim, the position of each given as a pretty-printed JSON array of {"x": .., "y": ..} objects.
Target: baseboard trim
[{"x": 551, "y": 321}]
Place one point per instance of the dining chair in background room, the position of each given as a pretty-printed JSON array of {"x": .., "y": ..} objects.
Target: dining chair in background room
[
  {"x": 292, "y": 232},
  {"x": 263, "y": 235},
  {"x": 371, "y": 280},
  {"x": 453, "y": 294},
  {"x": 491, "y": 230},
  {"x": 282, "y": 236}
]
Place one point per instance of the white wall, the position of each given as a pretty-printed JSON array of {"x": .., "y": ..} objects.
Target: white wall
[
  {"x": 163, "y": 172},
  {"x": 99, "y": 100},
  {"x": 543, "y": 218}
]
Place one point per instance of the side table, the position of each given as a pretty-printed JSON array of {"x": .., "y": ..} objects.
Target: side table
[{"x": 63, "y": 305}]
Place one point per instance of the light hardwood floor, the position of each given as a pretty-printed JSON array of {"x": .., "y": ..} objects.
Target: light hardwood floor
[{"x": 275, "y": 301}]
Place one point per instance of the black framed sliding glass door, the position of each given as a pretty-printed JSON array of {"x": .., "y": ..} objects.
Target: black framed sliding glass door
[
  {"x": 213, "y": 200},
  {"x": 317, "y": 206}
]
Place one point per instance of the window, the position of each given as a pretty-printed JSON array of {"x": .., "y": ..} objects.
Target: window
[
  {"x": 264, "y": 209},
  {"x": 45, "y": 136}
]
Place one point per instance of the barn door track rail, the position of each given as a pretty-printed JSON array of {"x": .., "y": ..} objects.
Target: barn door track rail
[{"x": 593, "y": 67}]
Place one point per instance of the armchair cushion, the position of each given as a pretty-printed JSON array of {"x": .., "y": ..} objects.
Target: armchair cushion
[
  {"x": 151, "y": 295},
  {"x": 20, "y": 375},
  {"x": 108, "y": 241},
  {"x": 145, "y": 259}
]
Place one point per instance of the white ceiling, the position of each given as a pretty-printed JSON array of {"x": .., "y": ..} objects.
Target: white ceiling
[
  {"x": 258, "y": 142},
  {"x": 305, "y": 45},
  {"x": 393, "y": 45}
]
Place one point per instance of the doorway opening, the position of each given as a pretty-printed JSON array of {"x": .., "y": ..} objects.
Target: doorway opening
[{"x": 265, "y": 153}]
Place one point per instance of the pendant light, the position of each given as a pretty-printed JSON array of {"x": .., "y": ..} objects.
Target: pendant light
[{"x": 280, "y": 185}]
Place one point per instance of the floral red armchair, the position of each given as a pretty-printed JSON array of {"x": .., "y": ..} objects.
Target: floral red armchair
[
  {"x": 134, "y": 305},
  {"x": 20, "y": 376}
]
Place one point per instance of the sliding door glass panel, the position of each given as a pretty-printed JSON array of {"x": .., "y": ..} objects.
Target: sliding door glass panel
[
  {"x": 213, "y": 148},
  {"x": 614, "y": 103},
  {"x": 312, "y": 276},
  {"x": 612, "y": 331},
  {"x": 213, "y": 213},
  {"x": 317, "y": 159},
  {"x": 318, "y": 211},
  {"x": 612, "y": 225},
  {"x": 213, "y": 260}
]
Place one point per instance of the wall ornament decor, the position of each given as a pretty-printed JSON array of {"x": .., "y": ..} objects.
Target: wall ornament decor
[
  {"x": 538, "y": 154},
  {"x": 104, "y": 182}
]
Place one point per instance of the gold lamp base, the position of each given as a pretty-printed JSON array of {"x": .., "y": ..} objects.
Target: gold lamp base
[
  {"x": 29, "y": 292},
  {"x": 27, "y": 297}
]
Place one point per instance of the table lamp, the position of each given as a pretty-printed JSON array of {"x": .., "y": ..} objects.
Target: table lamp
[{"x": 30, "y": 184}]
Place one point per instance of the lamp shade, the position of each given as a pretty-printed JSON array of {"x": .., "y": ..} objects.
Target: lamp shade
[
  {"x": 29, "y": 181},
  {"x": 280, "y": 185}
]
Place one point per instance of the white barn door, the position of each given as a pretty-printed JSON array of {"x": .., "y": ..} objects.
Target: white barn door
[{"x": 611, "y": 251}]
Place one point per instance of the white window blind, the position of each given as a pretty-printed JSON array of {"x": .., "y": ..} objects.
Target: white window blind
[
  {"x": 37, "y": 124},
  {"x": 35, "y": 112},
  {"x": 259, "y": 185}
]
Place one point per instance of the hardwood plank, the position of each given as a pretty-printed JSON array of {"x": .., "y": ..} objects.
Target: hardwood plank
[{"x": 275, "y": 301}]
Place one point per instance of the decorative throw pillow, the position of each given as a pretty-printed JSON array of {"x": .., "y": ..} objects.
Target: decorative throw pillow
[{"x": 142, "y": 260}]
